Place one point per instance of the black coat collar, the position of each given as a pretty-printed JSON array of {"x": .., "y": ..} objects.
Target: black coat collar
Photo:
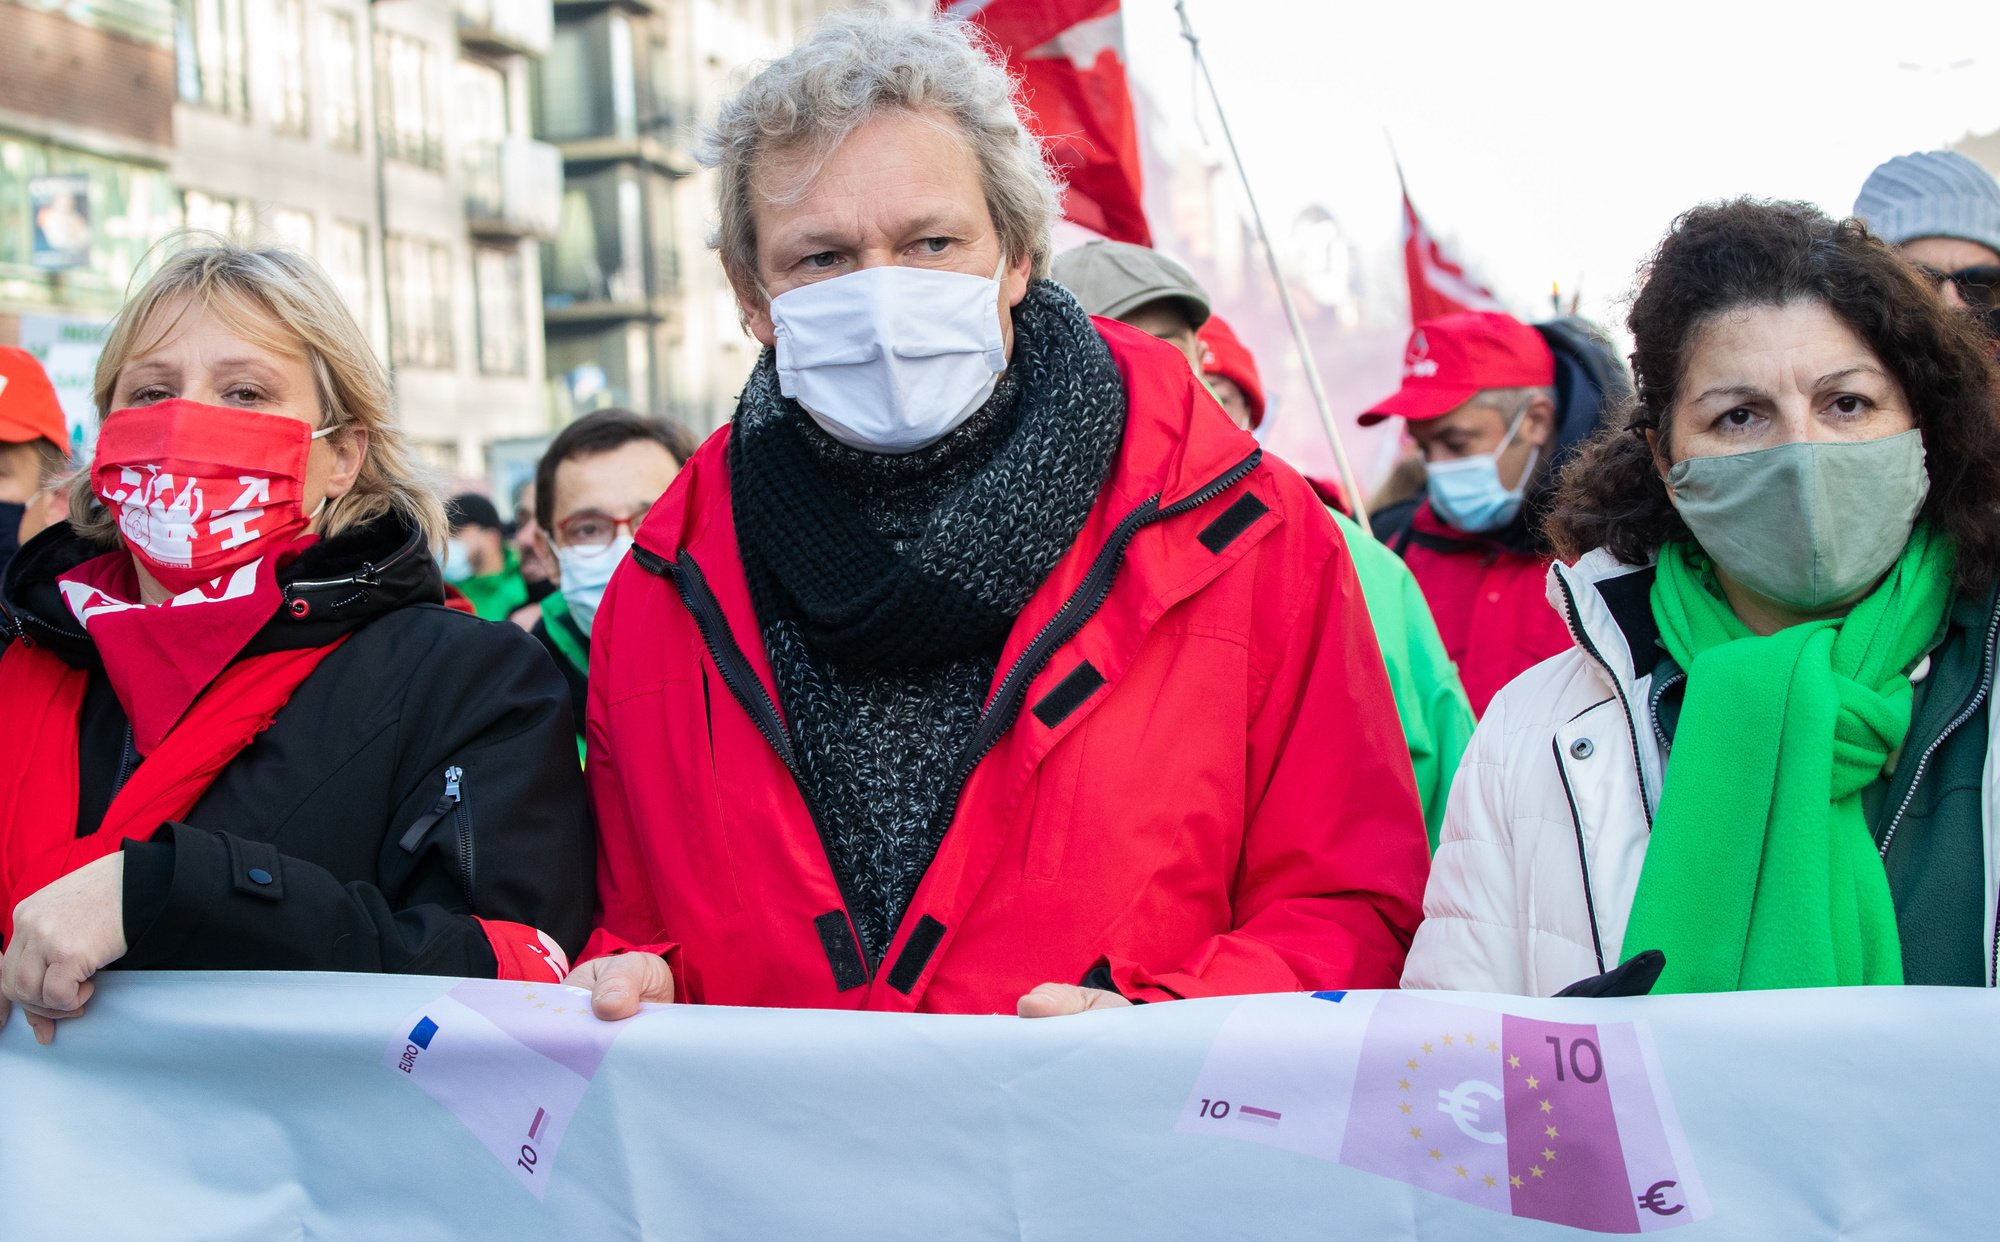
[{"x": 338, "y": 585}]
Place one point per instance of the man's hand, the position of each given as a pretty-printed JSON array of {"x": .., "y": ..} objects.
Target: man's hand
[
  {"x": 618, "y": 984},
  {"x": 63, "y": 935},
  {"x": 1052, "y": 1000}
]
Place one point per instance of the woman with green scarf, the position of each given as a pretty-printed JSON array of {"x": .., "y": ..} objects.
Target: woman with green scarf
[{"x": 1770, "y": 755}]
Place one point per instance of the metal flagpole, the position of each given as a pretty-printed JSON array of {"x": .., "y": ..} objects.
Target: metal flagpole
[{"x": 1347, "y": 477}]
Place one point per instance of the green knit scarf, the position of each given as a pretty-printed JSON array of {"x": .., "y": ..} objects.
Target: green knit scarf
[{"x": 1761, "y": 872}]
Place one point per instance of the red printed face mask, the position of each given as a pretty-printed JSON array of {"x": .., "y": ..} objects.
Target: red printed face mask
[{"x": 200, "y": 490}]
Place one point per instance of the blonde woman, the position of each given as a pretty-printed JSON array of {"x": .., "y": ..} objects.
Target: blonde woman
[{"x": 245, "y": 732}]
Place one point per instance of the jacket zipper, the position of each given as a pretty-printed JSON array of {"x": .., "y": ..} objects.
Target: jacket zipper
[
  {"x": 1660, "y": 692},
  {"x": 1965, "y": 713},
  {"x": 453, "y": 804},
  {"x": 1082, "y": 604},
  {"x": 742, "y": 682},
  {"x": 1617, "y": 685},
  {"x": 126, "y": 754},
  {"x": 1075, "y": 612}
]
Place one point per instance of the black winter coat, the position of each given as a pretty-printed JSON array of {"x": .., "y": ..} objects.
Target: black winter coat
[{"x": 421, "y": 701}]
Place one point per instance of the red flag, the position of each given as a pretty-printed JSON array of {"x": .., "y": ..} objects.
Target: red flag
[
  {"x": 1071, "y": 58},
  {"x": 1438, "y": 285}
]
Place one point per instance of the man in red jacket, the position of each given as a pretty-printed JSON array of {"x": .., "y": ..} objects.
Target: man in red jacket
[
  {"x": 981, "y": 664},
  {"x": 1497, "y": 406}
]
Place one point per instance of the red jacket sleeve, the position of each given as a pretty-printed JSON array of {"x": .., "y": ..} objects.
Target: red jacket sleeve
[{"x": 1329, "y": 888}]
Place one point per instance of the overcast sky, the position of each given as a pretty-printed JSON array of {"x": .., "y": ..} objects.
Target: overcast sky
[{"x": 1555, "y": 141}]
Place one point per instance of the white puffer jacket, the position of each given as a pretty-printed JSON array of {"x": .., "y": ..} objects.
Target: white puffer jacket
[{"x": 1549, "y": 817}]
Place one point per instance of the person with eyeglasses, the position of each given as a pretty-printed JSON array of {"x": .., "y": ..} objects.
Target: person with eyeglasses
[
  {"x": 594, "y": 483},
  {"x": 1941, "y": 211}
]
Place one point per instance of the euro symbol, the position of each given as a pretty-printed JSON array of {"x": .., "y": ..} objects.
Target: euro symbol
[
  {"x": 1459, "y": 1105},
  {"x": 1655, "y": 1201}
]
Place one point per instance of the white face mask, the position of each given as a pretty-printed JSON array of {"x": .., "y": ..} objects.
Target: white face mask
[
  {"x": 585, "y": 574},
  {"x": 890, "y": 359}
]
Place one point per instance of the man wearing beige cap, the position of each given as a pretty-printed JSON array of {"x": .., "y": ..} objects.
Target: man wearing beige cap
[
  {"x": 1137, "y": 286},
  {"x": 34, "y": 450}
]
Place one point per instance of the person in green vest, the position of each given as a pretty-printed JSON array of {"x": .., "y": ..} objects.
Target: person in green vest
[
  {"x": 1146, "y": 290},
  {"x": 478, "y": 560},
  {"x": 594, "y": 483}
]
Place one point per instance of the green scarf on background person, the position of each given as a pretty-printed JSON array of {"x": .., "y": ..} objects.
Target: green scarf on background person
[{"x": 1761, "y": 871}]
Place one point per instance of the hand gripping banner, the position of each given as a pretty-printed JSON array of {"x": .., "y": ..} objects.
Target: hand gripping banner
[{"x": 253, "y": 1106}]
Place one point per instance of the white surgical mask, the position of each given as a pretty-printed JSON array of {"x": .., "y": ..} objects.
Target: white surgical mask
[
  {"x": 585, "y": 574},
  {"x": 890, "y": 359},
  {"x": 1467, "y": 493}
]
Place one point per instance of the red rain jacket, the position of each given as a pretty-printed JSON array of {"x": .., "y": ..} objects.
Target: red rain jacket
[
  {"x": 1491, "y": 604},
  {"x": 1189, "y": 770}
]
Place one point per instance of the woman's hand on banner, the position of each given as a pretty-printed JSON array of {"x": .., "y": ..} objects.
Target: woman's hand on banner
[
  {"x": 620, "y": 983},
  {"x": 1053, "y": 1000},
  {"x": 64, "y": 934}
]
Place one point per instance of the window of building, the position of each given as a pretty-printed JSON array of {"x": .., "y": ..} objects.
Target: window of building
[
  {"x": 409, "y": 104},
  {"x": 231, "y": 217},
  {"x": 345, "y": 258},
  {"x": 295, "y": 229},
  {"x": 501, "y": 280},
  {"x": 209, "y": 54},
  {"x": 599, "y": 254},
  {"x": 339, "y": 54},
  {"x": 114, "y": 219},
  {"x": 479, "y": 124},
  {"x": 285, "y": 62},
  {"x": 420, "y": 294}
]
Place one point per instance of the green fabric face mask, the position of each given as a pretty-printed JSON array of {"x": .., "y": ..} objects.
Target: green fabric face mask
[{"x": 1810, "y": 525}]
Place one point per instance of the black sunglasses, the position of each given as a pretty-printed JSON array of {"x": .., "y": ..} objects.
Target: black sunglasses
[{"x": 1978, "y": 285}]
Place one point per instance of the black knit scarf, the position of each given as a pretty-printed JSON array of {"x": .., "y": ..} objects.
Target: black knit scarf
[{"x": 885, "y": 586}]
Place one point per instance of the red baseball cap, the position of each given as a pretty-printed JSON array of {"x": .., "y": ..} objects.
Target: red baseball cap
[
  {"x": 28, "y": 406},
  {"x": 1452, "y": 357},
  {"x": 1223, "y": 354}
]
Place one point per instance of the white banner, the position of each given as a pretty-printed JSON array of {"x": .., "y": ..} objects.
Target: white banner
[{"x": 258, "y": 1106}]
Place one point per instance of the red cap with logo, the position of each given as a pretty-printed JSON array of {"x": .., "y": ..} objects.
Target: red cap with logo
[
  {"x": 1222, "y": 353},
  {"x": 1454, "y": 356},
  {"x": 28, "y": 406}
]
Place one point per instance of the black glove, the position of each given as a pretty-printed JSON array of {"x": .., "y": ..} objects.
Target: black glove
[{"x": 1635, "y": 978}]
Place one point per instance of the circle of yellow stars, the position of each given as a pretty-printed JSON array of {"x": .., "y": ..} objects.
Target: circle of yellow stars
[{"x": 1416, "y": 1132}]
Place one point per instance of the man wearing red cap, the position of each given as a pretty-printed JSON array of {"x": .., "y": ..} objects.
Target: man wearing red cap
[
  {"x": 1497, "y": 407},
  {"x": 34, "y": 450}
]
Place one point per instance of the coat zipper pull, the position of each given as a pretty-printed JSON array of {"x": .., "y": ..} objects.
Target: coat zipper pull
[{"x": 414, "y": 838}]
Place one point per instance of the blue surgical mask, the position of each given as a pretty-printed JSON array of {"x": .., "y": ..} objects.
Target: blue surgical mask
[
  {"x": 1467, "y": 492},
  {"x": 457, "y": 561},
  {"x": 585, "y": 574}
]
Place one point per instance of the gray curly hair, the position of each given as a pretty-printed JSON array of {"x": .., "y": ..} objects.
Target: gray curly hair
[{"x": 852, "y": 67}]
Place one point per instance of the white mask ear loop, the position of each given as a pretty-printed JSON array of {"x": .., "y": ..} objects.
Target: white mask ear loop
[{"x": 321, "y": 507}]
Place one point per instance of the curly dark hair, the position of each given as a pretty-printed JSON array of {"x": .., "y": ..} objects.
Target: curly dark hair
[{"x": 1725, "y": 256}]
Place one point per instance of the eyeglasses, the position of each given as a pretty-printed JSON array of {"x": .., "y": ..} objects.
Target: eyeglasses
[
  {"x": 1978, "y": 285},
  {"x": 594, "y": 532}
]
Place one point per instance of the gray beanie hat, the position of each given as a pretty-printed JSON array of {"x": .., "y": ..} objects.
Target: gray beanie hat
[{"x": 1931, "y": 194}]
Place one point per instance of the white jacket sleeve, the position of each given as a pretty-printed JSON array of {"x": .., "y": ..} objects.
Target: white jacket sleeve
[{"x": 1471, "y": 939}]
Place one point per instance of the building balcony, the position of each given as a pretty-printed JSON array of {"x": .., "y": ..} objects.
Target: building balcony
[
  {"x": 584, "y": 154},
  {"x": 506, "y": 27},
  {"x": 513, "y": 189}
]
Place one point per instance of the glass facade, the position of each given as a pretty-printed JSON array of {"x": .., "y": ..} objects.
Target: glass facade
[
  {"x": 500, "y": 278},
  {"x": 409, "y": 103},
  {"x": 339, "y": 55},
  {"x": 285, "y": 63},
  {"x": 420, "y": 284},
  {"x": 127, "y": 207},
  {"x": 209, "y": 54}
]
